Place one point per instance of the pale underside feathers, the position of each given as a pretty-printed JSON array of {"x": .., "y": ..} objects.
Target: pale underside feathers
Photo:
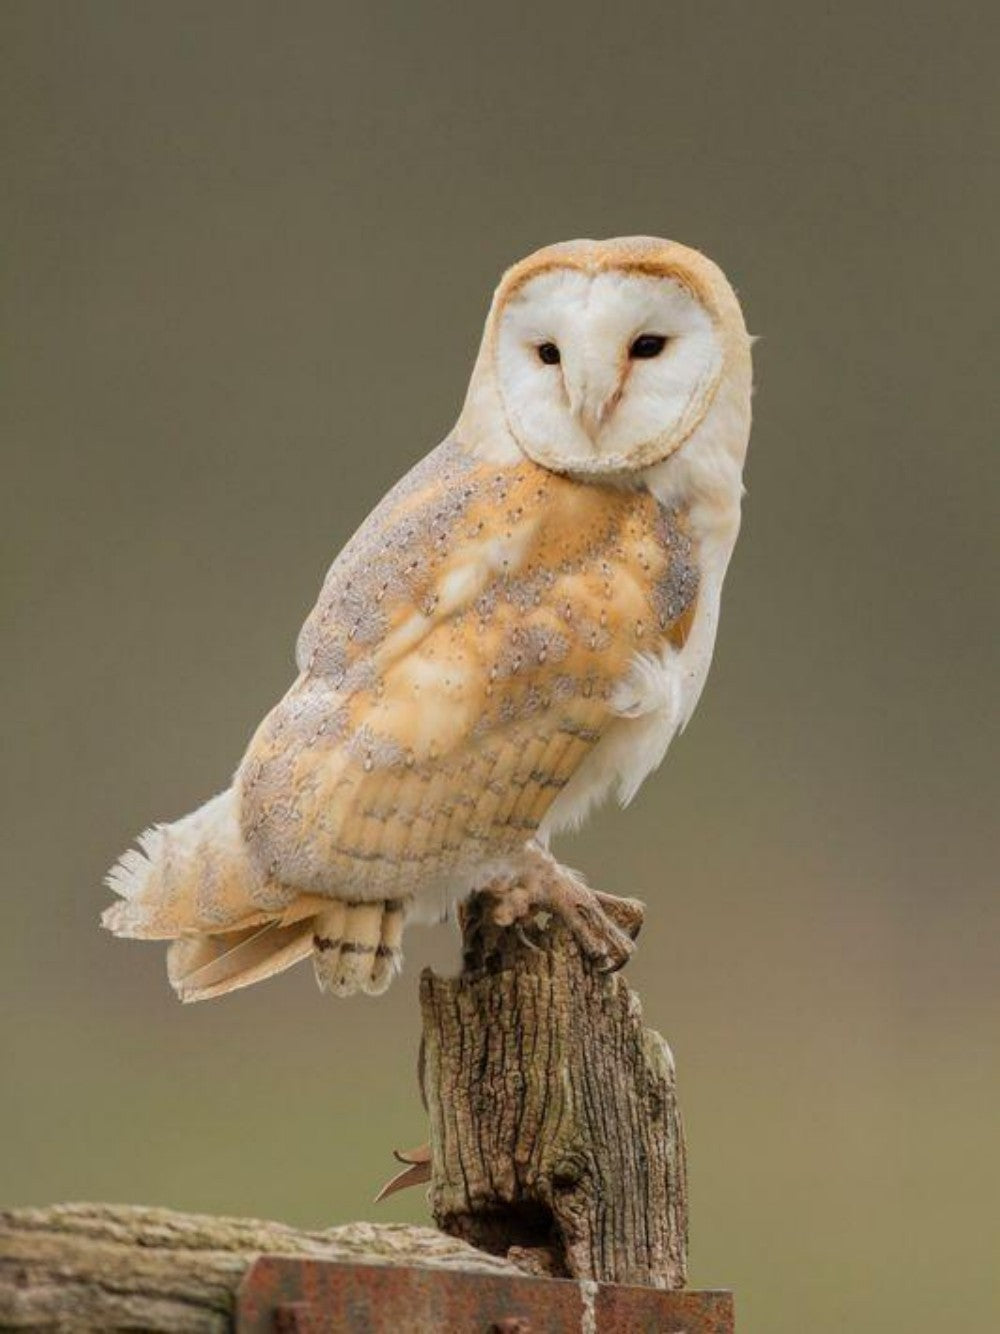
[{"x": 496, "y": 647}]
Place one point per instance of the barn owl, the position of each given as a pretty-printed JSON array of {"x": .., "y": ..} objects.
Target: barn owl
[{"x": 520, "y": 627}]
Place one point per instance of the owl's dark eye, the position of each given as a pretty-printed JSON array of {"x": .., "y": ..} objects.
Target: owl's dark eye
[
  {"x": 549, "y": 353},
  {"x": 646, "y": 346}
]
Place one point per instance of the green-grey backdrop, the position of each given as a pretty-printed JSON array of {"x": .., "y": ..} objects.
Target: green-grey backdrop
[{"x": 248, "y": 249}]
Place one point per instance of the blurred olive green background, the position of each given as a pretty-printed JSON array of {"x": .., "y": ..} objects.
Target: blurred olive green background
[{"x": 247, "y": 253}]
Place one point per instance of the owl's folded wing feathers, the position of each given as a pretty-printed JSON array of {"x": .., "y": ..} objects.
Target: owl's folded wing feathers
[{"x": 458, "y": 668}]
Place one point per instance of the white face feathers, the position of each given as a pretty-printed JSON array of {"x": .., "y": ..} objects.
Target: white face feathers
[
  {"x": 604, "y": 358},
  {"x": 600, "y": 372}
]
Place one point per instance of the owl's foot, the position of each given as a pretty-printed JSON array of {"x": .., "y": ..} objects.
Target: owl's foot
[
  {"x": 629, "y": 914},
  {"x": 605, "y": 926}
]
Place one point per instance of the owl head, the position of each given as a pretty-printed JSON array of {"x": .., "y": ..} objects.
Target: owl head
[{"x": 604, "y": 358}]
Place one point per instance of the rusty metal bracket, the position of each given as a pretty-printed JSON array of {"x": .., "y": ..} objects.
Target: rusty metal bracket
[{"x": 284, "y": 1295}]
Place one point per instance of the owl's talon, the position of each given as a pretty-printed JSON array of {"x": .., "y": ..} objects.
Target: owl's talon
[
  {"x": 605, "y": 943},
  {"x": 525, "y": 940},
  {"x": 604, "y": 926},
  {"x": 609, "y": 965},
  {"x": 628, "y": 914}
]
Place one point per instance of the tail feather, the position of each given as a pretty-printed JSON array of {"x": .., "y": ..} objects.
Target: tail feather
[
  {"x": 359, "y": 947},
  {"x": 202, "y": 967},
  {"x": 192, "y": 875},
  {"x": 346, "y": 949},
  {"x": 193, "y": 883},
  {"x": 389, "y": 955}
]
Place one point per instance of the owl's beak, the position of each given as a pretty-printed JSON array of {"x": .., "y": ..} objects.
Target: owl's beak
[
  {"x": 594, "y": 413},
  {"x": 593, "y": 397},
  {"x": 598, "y": 403}
]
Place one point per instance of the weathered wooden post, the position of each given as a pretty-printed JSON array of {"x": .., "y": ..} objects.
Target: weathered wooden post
[{"x": 556, "y": 1137}]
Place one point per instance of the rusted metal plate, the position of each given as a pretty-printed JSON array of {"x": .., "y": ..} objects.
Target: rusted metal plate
[
  {"x": 645, "y": 1310},
  {"x": 282, "y": 1295}
]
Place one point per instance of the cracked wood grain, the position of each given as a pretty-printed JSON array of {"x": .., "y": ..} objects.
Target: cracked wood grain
[{"x": 556, "y": 1136}]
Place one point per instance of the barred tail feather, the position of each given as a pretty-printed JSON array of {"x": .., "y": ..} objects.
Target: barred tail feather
[
  {"x": 355, "y": 947},
  {"x": 359, "y": 947}
]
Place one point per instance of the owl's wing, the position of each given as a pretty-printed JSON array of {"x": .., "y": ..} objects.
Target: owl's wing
[{"x": 458, "y": 668}]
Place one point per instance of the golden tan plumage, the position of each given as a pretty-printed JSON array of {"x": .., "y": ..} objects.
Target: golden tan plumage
[
  {"x": 497, "y": 608},
  {"x": 467, "y": 654}
]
